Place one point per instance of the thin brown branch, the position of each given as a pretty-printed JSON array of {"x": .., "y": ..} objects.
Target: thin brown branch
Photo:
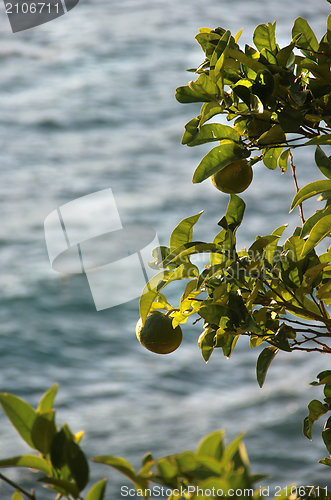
[
  {"x": 296, "y": 186},
  {"x": 31, "y": 495}
]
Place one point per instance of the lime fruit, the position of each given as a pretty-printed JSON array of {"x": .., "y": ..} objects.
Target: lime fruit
[
  {"x": 234, "y": 178},
  {"x": 158, "y": 335}
]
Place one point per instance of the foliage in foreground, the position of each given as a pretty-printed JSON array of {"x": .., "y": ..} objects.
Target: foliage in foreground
[
  {"x": 276, "y": 101},
  {"x": 213, "y": 470}
]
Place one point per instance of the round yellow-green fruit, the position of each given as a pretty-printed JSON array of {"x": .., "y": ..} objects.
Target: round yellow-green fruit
[
  {"x": 234, "y": 178},
  {"x": 158, "y": 335}
]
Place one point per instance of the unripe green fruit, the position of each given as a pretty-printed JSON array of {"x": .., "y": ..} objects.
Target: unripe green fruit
[
  {"x": 157, "y": 334},
  {"x": 234, "y": 178}
]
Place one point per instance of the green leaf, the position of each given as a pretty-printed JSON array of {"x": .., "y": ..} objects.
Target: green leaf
[
  {"x": 274, "y": 135},
  {"x": 77, "y": 464},
  {"x": 28, "y": 461},
  {"x": 186, "y": 95},
  {"x": 61, "y": 485},
  {"x": 183, "y": 231},
  {"x": 310, "y": 190},
  {"x": 212, "y": 445},
  {"x": 261, "y": 243},
  {"x": 317, "y": 234},
  {"x": 206, "y": 343},
  {"x": 251, "y": 63},
  {"x": 264, "y": 37},
  {"x": 47, "y": 400},
  {"x": 283, "y": 160},
  {"x": 270, "y": 157},
  {"x": 264, "y": 360},
  {"x": 307, "y": 39},
  {"x": 323, "y": 162},
  {"x": 218, "y": 158},
  {"x": 311, "y": 221},
  {"x": 117, "y": 463},
  {"x": 319, "y": 140},
  {"x": 234, "y": 213},
  {"x": 316, "y": 410},
  {"x": 17, "y": 496},
  {"x": 43, "y": 431},
  {"x": 21, "y": 415},
  {"x": 326, "y": 435},
  {"x": 210, "y": 109},
  {"x": 325, "y": 461},
  {"x": 214, "y": 132},
  {"x": 98, "y": 490}
]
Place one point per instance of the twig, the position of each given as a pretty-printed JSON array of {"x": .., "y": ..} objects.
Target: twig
[
  {"x": 301, "y": 323},
  {"x": 296, "y": 186},
  {"x": 304, "y": 349},
  {"x": 31, "y": 495}
]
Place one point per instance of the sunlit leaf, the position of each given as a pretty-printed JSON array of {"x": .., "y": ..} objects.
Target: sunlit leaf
[
  {"x": 310, "y": 190},
  {"x": 28, "y": 461},
  {"x": 307, "y": 39},
  {"x": 319, "y": 231},
  {"x": 117, "y": 463},
  {"x": 311, "y": 221},
  {"x": 234, "y": 213},
  {"x": 98, "y": 490},
  {"x": 212, "y": 445},
  {"x": 21, "y": 415},
  {"x": 264, "y": 37},
  {"x": 183, "y": 231},
  {"x": 214, "y": 132},
  {"x": 47, "y": 400}
]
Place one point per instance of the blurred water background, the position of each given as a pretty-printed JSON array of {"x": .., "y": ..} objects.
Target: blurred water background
[{"x": 87, "y": 102}]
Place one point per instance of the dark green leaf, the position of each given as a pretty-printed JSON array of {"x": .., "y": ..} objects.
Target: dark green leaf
[
  {"x": 206, "y": 343},
  {"x": 326, "y": 435},
  {"x": 274, "y": 135},
  {"x": 316, "y": 410},
  {"x": 310, "y": 190},
  {"x": 218, "y": 158},
  {"x": 77, "y": 464},
  {"x": 21, "y": 415},
  {"x": 264, "y": 360},
  {"x": 28, "y": 461},
  {"x": 323, "y": 162},
  {"x": 98, "y": 490},
  {"x": 183, "y": 231},
  {"x": 43, "y": 431}
]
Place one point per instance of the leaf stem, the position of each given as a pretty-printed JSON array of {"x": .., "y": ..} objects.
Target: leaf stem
[
  {"x": 296, "y": 186},
  {"x": 31, "y": 495}
]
